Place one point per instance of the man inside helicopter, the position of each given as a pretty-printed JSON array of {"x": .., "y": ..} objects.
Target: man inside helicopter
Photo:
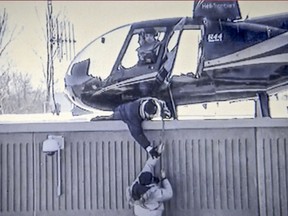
[{"x": 149, "y": 46}]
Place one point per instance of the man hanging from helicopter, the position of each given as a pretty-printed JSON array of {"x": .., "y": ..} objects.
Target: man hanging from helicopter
[{"x": 134, "y": 113}]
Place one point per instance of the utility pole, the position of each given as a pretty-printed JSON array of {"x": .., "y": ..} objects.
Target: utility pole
[{"x": 58, "y": 34}]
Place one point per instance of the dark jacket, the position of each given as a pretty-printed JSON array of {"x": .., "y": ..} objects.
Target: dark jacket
[{"x": 130, "y": 114}]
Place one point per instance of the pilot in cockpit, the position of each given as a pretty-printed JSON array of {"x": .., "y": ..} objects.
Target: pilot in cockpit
[{"x": 149, "y": 46}]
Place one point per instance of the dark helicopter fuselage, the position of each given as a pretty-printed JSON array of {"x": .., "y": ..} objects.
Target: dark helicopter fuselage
[{"x": 232, "y": 60}]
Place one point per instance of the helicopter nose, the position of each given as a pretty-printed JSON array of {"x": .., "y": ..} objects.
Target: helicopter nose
[
  {"x": 74, "y": 79},
  {"x": 69, "y": 92},
  {"x": 78, "y": 73},
  {"x": 74, "y": 94}
]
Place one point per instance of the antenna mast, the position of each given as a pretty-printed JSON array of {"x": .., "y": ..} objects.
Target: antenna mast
[{"x": 57, "y": 38}]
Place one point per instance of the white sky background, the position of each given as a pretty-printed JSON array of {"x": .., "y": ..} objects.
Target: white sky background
[{"x": 91, "y": 19}]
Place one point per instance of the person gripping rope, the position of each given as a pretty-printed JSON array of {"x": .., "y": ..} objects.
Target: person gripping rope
[{"x": 148, "y": 193}]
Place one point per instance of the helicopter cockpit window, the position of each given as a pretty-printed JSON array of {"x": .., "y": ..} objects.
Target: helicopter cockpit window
[
  {"x": 130, "y": 58},
  {"x": 143, "y": 48},
  {"x": 102, "y": 52}
]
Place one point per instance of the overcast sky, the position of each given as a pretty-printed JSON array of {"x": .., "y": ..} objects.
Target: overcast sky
[{"x": 91, "y": 19}]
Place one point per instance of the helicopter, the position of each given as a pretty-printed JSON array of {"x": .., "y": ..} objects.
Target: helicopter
[{"x": 213, "y": 56}]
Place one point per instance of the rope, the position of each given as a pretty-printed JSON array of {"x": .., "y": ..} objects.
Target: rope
[
  {"x": 173, "y": 103},
  {"x": 162, "y": 136}
]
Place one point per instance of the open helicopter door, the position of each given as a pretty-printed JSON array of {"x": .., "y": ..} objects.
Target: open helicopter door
[
  {"x": 189, "y": 58},
  {"x": 187, "y": 42},
  {"x": 189, "y": 53},
  {"x": 172, "y": 47}
]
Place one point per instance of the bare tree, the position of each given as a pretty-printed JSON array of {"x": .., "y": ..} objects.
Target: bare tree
[
  {"x": 5, "y": 39},
  {"x": 18, "y": 96},
  {"x": 16, "y": 92},
  {"x": 4, "y": 90}
]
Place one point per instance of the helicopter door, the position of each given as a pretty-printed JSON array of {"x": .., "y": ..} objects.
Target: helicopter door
[{"x": 188, "y": 53}]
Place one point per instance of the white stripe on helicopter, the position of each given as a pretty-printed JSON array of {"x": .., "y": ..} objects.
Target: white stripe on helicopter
[
  {"x": 260, "y": 48},
  {"x": 134, "y": 80},
  {"x": 280, "y": 58},
  {"x": 256, "y": 89}
]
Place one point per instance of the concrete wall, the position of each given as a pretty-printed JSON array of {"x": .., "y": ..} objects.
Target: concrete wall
[{"x": 216, "y": 167}]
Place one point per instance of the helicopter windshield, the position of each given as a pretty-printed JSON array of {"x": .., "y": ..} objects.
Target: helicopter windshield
[{"x": 102, "y": 52}]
